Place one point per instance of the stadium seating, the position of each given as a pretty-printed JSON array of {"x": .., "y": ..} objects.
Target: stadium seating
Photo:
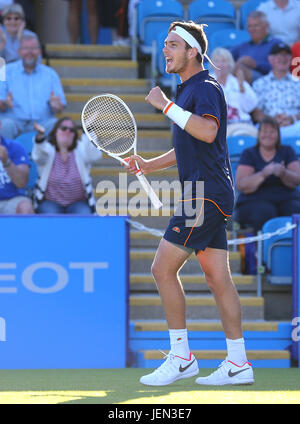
[
  {"x": 217, "y": 14},
  {"x": 246, "y": 8},
  {"x": 228, "y": 38},
  {"x": 153, "y": 17},
  {"x": 26, "y": 140},
  {"x": 294, "y": 142},
  {"x": 236, "y": 145},
  {"x": 277, "y": 252}
]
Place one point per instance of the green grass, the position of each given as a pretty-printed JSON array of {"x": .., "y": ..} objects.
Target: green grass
[{"x": 121, "y": 386}]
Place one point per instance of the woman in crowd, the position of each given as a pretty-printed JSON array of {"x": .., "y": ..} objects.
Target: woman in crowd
[
  {"x": 12, "y": 32},
  {"x": 240, "y": 97},
  {"x": 267, "y": 178},
  {"x": 63, "y": 162}
]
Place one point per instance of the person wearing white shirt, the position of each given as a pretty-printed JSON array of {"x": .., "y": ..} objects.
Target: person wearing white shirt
[
  {"x": 284, "y": 19},
  {"x": 240, "y": 97}
]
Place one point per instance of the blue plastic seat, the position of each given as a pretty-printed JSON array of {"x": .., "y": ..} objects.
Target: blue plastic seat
[
  {"x": 26, "y": 140},
  {"x": 277, "y": 252},
  {"x": 153, "y": 17},
  {"x": 228, "y": 38},
  {"x": 217, "y": 14},
  {"x": 246, "y": 8},
  {"x": 294, "y": 142},
  {"x": 237, "y": 144}
]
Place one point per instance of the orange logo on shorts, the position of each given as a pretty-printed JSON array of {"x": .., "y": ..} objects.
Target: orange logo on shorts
[{"x": 176, "y": 229}]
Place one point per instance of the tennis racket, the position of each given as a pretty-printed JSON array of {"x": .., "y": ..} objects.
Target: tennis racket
[{"x": 111, "y": 127}]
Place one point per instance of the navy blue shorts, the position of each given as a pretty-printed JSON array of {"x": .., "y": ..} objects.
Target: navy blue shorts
[{"x": 211, "y": 232}]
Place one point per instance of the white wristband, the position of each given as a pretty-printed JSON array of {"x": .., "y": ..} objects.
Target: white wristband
[{"x": 177, "y": 114}]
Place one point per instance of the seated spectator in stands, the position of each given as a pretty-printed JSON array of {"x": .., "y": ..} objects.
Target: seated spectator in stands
[
  {"x": 240, "y": 97},
  {"x": 12, "y": 32},
  {"x": 284, "y": 19},
  {"x": 267, "y": 176},
  {"x": 295, "y": 68},
  {"x": 63, "y": 162},
  {"x": 14, "y": 173},
  {"x": 279, "y": 93},
  {"x": 252, "y": 56},
  {"x": 31, "y": 93}
]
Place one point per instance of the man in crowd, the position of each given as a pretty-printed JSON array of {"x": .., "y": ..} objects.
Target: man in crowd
[
  {"x": 31, "y": 93},
  {"x": 252, "y": 56},
  {"x": 279, "y": 93}
]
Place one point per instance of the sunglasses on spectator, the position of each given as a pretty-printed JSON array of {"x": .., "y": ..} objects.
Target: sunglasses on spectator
[
  {"x": 12, "y": 18},
  {"x": 65, "y": 128}
]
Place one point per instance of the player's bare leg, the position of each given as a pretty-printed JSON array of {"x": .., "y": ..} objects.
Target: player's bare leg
[
  {"x": 215, "y": 265},
  {"x": 168, "y": 261},
  {"x": 235, "y": 369}
]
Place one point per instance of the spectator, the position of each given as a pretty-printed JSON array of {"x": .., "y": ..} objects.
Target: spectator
[
  {"x": 63, "y": 162},
  {"x": 14, "y": 173},
  {"x": 252, "y": 56},
  {"x": 267, "y": 177},
  {"x": 284, "y": 19},
  {"x": 12, "y": 32},
  {"x": 279, "y": 93},
  {"x": 239, "y": 95},
  {"x": 75, "y": 9},
  {"x": 295, "y": 68},
  {"x": 32, "y": 92}
]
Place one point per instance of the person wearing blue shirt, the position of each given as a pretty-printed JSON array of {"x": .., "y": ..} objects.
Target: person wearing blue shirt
[
  {"x": 14, "y": 172},
  {"x": 252, "y": 56},
  {"x": 199, "y": 114},
  {"x": 32, "y": 92},
  {"x": 267, "y": 178}
]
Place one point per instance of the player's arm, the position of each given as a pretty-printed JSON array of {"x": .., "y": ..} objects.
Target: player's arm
[
  {"x": 203, "y": 128},
  {"x": 152, "y": 165}
]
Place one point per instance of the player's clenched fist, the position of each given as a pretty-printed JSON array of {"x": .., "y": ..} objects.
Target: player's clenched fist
[{"x": 157, "y": 98}]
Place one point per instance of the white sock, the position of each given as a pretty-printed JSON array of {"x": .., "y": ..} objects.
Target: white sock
[
  {"x": 179, "y": 343},
  {"x": 236, "y": 352}
]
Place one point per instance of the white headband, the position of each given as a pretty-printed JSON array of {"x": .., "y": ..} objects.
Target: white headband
[{"x": 186, "y": 36}]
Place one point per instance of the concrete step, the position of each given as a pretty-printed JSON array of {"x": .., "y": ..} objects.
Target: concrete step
[
  {"x": 141, "y": 260},
  {"x": 135, "y": 102},
  {"x": 203, "y": 326},
  {"x": 149, "y": 307},
  {"x": 143, "y": 120},
  {"x": 144, "y": 282},
  {"x": 87, "y": 51},
  {"x": 89, "y": 68},
  {"x": 105, "y": 85}
]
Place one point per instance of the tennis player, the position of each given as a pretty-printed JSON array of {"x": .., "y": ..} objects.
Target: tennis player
[{"x": 199, "y": 115}]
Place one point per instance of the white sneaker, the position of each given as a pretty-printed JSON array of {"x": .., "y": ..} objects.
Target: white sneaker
[
  {"x": 174, "y": 368},
  {"x": 229, "y": 373}
]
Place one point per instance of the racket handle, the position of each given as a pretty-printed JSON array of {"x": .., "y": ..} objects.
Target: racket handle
[{"x": 149, "y": 190}]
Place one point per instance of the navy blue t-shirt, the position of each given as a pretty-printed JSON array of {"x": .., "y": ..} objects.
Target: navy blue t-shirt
[
  {"x": 272, "y": 188},
  {"x": 197, "y": 160}
]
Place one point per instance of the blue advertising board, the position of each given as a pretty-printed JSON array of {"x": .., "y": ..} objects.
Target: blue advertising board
[
  {"x": 296, "y": 291},
  {"x": 63, "y": 292}
]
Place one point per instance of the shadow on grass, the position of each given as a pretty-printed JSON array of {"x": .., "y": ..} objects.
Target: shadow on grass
[{"x": 122, "y": 385}]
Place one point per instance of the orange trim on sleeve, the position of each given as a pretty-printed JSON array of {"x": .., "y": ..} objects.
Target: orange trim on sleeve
[
  {"x": 212, "y": 116},
  {"x": 168, "y": 107}
]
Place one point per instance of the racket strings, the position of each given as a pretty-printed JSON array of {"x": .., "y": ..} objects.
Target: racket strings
[{"x": 110, "y": 125}]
